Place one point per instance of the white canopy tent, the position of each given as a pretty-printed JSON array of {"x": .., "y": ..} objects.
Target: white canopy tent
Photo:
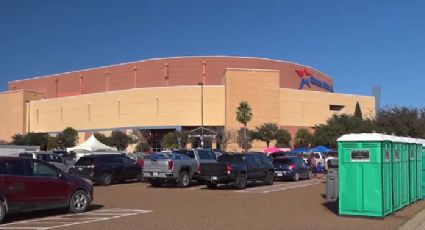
[{"x": 91, "y": 145}]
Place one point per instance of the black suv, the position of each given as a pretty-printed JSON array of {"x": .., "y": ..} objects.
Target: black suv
[
  {"x": 105, "y": 168},
  {"x": 238, "y": 169}
]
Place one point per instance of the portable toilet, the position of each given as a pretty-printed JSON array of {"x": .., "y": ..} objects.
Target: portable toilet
[
  {"x": 405, "y": 181},
  {"x": 412, "y": 170},
  {"x": 418, "y": 169},
  {"x": 396, "y": 173},
  {"x": 365, "y": 175}
]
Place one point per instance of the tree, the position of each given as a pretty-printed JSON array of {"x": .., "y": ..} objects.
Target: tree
[
  {"x": 18, "y": 139},
  {"x": 182, "y": 138},
  {"x": 338, "y": 125},
  {"x": 3, "y": 142},
  {"x": 52, "y": 143},
  {"x": 169, "y": 141},
  {"x": 120, "y": 140},
  {"x": 266, "y": 132},
  {"x": 303, "y": 138},
  {"x": 102, "y": 138},
  {"x": 283, "y": 139},
  {"x": 358, "y": 112},
  {"x": 243, "y": 139},
  {"x": 67, "y": 138},
  {"x": 225, "y": 137},
  {"x": 143, "y": 147},
  {"x": 243, "y": 116},
  {"x": 402, "y": 121}
]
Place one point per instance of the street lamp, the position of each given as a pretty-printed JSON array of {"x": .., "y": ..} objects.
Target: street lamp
[{"x": 202, "y": 113}]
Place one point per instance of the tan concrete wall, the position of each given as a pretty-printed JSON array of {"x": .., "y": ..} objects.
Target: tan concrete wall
[
  {"x": 13, "y": 112},
  {"x": 172, "y": 106},
  {"x": 308, "y": 108},
  {"x": 260, "y": 88}
]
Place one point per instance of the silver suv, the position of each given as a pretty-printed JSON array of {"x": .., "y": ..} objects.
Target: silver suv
[{"x": 50, "y": 158}]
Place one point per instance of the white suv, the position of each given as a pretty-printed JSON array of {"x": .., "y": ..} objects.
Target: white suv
[{"x": 50, "y": 158}]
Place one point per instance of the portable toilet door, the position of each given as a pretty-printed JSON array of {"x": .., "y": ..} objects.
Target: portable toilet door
[
  {"x": 405, "y": 181},
  {"x": 396, "y": 173},
  {"x": 412, "y": 170},
  {"x": 423, "y": 168},
  {"x": 418, "y": 169},
  {"x": 365, "y": 175}
]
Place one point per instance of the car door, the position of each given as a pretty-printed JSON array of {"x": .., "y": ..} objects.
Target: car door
[
  {"x": 53, "y": 188},
  {"x": 131, "y": 168},
  {"x": 251, "y": 167},
  {"x": 22, "y": 192},
  {"x": 118, "y": 167}
]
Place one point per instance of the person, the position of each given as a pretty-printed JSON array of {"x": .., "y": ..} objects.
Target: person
[{"x": 312, "y": 162}]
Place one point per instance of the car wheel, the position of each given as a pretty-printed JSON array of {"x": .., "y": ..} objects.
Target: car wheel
[
  {"x": 296, "y": 177},
  {"x": 106, "y": 179},
  {"x": 2, "y": 211},
  {"x": 240, "y": 181},
  {"x": 211, "y": 185},
  {"x": 184, "y": 179},
  {"x": 269, "y": 179},
  {"x": 79, "y": 202},
  {"x": 155, "y": 183},
  {"x": 310, "y": 175}
]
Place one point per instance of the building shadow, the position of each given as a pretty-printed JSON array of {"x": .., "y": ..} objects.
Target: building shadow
[{"x": 26, "y": 216}]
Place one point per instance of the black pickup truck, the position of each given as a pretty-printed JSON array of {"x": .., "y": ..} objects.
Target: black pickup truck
[{"x": 238, "y": 169}]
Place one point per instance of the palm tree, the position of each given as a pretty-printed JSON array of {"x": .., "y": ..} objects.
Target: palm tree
[{"x": 244, "y": 115}]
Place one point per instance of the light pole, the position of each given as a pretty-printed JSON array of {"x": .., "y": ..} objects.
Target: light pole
[{"x": 202, "y": 113}]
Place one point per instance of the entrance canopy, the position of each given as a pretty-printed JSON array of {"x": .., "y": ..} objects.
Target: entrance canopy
[{"x": 91, "y": 145}]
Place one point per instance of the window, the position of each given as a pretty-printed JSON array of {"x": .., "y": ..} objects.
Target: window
[
  {"x": 188, "y": 153},
  {"x": 42, "y": 170},
  {"x": 128, "y": 161},
  {"x": 206, "y": 155},
  {"x": 26, "y": 155},
  {"x": 14, "y": 167},
  {"x": 336, "y": 107}
]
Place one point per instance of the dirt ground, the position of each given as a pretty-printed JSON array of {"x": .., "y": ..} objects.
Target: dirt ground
[{"x": 285, "y": 205}]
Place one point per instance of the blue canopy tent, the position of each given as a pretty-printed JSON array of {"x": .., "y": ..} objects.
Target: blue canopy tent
[
  {"x": 321, "y": 149},
  {"x": 300, "y": 150}
]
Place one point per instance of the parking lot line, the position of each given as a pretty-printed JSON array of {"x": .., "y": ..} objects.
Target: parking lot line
[
  {"x": 74, "y": 219},
  {"x": 281, "y": 186}
]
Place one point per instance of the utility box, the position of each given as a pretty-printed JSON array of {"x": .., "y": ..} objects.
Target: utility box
[
  {"x": 365, "y": 174},
  {"x": 405, "y": 181},
  {"x": 412, "y": 170},
  {"x": 396, "y": 173},
  {"x": 332, "y": 185}
]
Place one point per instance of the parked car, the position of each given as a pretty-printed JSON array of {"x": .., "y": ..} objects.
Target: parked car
[
  {"x": 238, "y": 169},
  {"x": 50, "y": 158},
  {"x": 291, "y": 167},
  {"x": 181, "y": 166},
  {"x": 30, "y": 184},
  {"x": 105, "y": 169}
]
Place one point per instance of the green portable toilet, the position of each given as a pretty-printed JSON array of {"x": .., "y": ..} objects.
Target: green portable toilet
[
  {"x": 396, "y": 173},
  {"x": 405, "y": 191},
  {"x": 412, "y": 170},
  {"x": 418, "y": 169},
  {"x": 365, "y": 174}
]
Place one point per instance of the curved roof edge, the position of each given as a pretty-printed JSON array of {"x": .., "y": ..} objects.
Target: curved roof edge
[{"x": 157, "y": 59}]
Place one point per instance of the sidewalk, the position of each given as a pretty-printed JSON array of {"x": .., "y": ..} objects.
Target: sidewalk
[{"x": 416, "y": 223}]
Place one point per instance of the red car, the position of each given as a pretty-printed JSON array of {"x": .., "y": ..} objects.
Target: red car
[{"x": 30, "y": 184}]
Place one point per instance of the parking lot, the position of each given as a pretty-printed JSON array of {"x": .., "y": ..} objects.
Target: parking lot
[{"x": 284, "y": 205}]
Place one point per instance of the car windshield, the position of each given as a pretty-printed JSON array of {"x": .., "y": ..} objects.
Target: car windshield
[
  {"x": 230, "y": 158},
  {"x": 285, "y": 160}
]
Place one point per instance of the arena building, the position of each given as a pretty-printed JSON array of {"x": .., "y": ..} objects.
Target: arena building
[{"x": 179, "y": 93}]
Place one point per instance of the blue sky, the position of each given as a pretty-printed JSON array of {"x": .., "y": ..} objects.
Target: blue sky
[{"x": 357, "y": 43}]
